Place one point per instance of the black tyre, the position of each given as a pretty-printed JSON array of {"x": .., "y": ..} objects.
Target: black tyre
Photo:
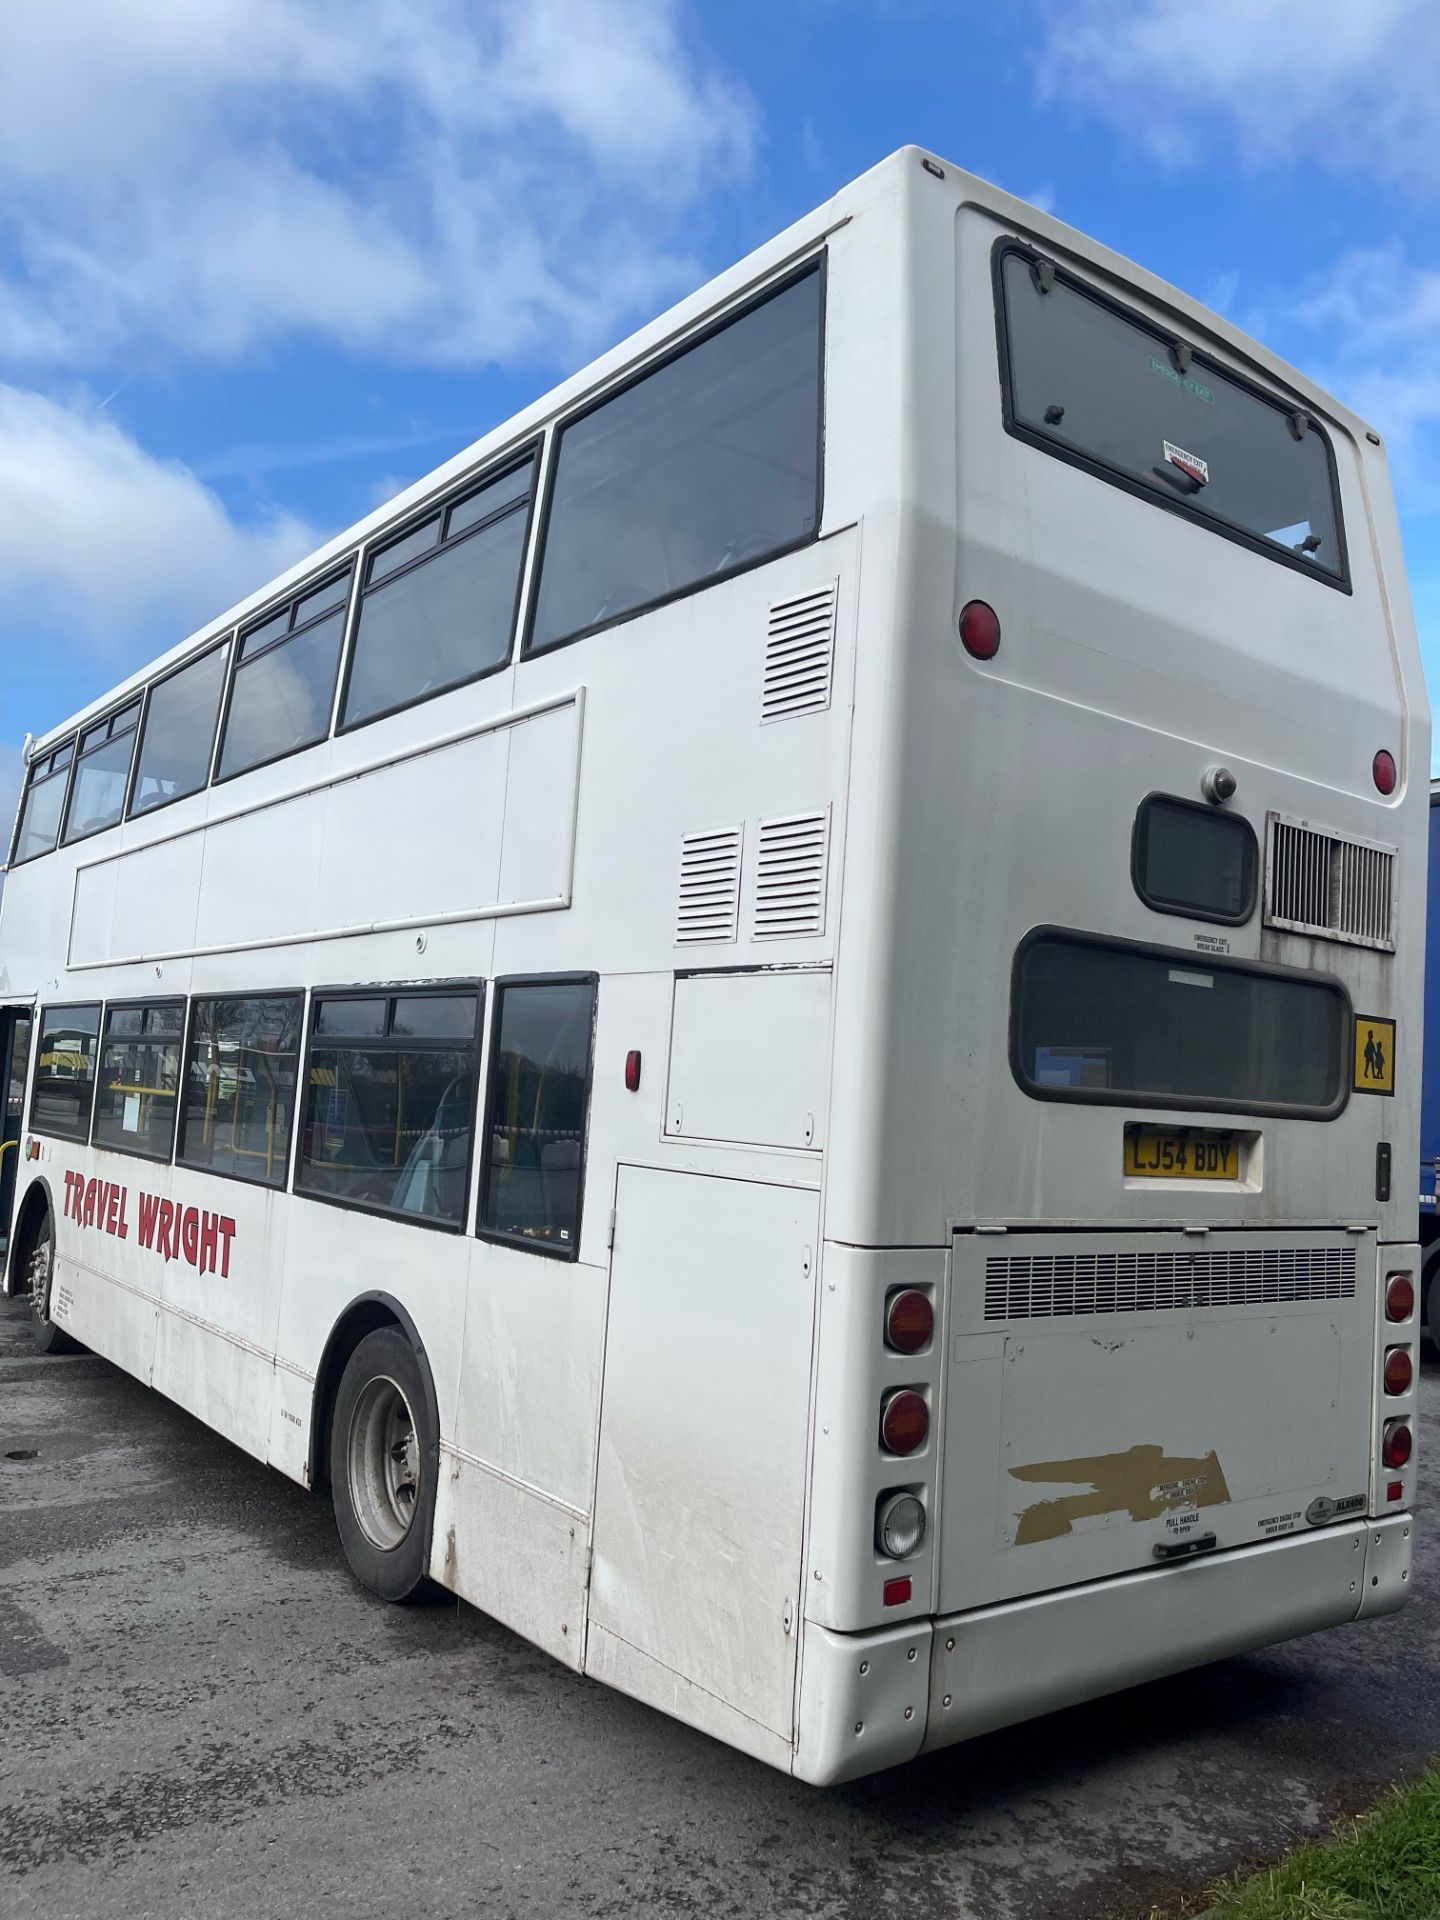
[
  {"x": 39, "y": 1272},
  {"x": 384, "y": 1465}
]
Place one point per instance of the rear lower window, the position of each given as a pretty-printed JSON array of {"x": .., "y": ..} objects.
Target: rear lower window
[
  {"x": 536, "y": 1115},
  {"x": 1101, "y": 1021},
  {"x": 1091, "y": 380}
]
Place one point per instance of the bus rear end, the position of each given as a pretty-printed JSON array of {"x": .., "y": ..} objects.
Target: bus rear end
[{"x": 1127, "y": 1083}]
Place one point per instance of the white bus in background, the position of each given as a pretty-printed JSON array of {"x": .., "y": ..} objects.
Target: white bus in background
[{"x": 770, "y": 1021}]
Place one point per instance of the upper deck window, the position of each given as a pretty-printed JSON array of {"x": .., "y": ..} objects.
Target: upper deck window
[
  {"x": 179, "y": 731},
  {"x": 102, "y": 773},
  {"x": 1090, "y": 381},
  {"x": 439, "y": 601},
  {"x": 284, "y": 679},
  {"x": 44, "y": 802},
  {"x": 707, "y": 464}
]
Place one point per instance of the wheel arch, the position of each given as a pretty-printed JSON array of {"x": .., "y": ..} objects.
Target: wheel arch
[
  {"x": 365, "y": 1313},
  {"x": 36, "y": 1200}
]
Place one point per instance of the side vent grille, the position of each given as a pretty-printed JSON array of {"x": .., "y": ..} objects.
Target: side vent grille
[
  {"x": 1323, "y": 884},
  {"x": 1045, "y": 1286},
  {"x": 799, "y": 655},
  {"x": 790, "y": 876},
  {"x": 709, "y": 886}
]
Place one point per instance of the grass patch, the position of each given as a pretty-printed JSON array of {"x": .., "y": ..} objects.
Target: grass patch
[{"x": 1383, "y": 1866}]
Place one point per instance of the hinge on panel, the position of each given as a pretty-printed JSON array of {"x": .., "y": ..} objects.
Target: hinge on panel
[{"x": 610, "y": 1243}]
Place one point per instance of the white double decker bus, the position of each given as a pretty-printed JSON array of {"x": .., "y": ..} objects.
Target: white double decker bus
[{"x": 774, "y": 1022}]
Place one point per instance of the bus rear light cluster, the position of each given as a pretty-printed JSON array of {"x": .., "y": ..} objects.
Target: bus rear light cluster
[
  {"x": 1399, "y": 1370},
  {"x": 899, "y": 1525},
  {"x": 1383, "y": 771},
  {"x": 1397, "y": 1444},
  {"x": 1399, "y": 1296},
  {"x": 909, "y": 1320},
  {"x": 904, "y": 1421}
]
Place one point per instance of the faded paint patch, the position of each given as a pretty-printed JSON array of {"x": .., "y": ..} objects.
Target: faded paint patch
[{"x": 1143, "y": 1482}]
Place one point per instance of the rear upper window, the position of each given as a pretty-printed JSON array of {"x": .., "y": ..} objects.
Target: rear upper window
[
  {"x": 1106, "y": 1021},
  {"x": 1195, "y": 860},
  {"x": 1089, "y": 380}
]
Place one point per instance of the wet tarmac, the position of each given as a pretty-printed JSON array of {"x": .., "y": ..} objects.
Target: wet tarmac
[{"x": 201, "y": 1714}]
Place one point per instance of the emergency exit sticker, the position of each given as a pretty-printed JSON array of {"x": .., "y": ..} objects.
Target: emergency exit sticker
[{"x": 1374, "y": 1054}]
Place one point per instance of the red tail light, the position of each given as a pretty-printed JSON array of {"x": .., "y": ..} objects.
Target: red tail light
[
  {"x": 979, "y": 630},
  {"x": 1398, "y": 1443},
  {"x": 897, "y": 1592},
  {"x": 1399, "y": 1370},
  {"x": 1383, "y": 770},
  {"x": 1399, "y": 1296},
  {"x": 909, "y": 1321},
  {"x": 904, "y": 1421}
]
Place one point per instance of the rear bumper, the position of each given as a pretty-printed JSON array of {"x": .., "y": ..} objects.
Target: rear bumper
[{"x": 871, "y": 1700}]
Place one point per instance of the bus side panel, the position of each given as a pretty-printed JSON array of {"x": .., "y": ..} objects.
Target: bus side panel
[{"x": 700, "y": 1492}]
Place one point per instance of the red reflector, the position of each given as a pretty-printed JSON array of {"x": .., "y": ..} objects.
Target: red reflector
[
  {"x": 904, "y": 1421},
  {"x": 897, "y": 1592},
  {"x": 1399, "y": 1370},
  {"x": 1399, "y": 1296},
  {"x": 632, "y": 1070},
  {"x": 1398, "y": 1443},
  {"x": 909, "y": 1321},
  {"x": 1383, "y": 769},
  {"x": 979, "y": 630},
  {"x": 1395, "y": 1490}
]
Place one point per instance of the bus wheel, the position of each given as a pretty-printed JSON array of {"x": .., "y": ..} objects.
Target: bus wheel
[
  {"x": 384, "y": 1461},
  {"x": 40, "y": 1273}
]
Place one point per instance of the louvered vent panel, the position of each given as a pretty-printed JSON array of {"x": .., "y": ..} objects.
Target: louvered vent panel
[
  {"x": 709, "y": 906},
  {"x": 799, "y": 655},
  {"x": 1043, "y": 1286},
  {"x": 1324, "y": 884},
  {"x": 790, "y": 876}
]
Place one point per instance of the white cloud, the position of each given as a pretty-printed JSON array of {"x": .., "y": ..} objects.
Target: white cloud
[
  {"x": 1348, "y": 84},
  {"x": 101, "y": 540},
  {"x": 423, "y": 180}
]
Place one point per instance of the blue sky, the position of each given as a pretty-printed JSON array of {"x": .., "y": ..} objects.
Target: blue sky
[{"x": 266, "y": 261}]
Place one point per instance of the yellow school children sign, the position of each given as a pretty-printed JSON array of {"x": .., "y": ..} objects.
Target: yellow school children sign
[{"x": 1374, "y": 1054}]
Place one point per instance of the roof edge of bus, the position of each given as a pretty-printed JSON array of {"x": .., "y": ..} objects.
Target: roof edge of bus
[{"x": 692, "y": 310}]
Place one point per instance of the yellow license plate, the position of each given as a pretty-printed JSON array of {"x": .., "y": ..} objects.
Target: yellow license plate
[{"x": 1181, "y": 1153}]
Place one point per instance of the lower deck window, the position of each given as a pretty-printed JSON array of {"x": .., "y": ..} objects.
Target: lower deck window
[
  {"x": 65, "y": 1072},
  {"x": 390, "y": 1103},
  {"x": 536, "y": 1112},
  {"x": 1103, "y": 1021},
  {"x": 240, "y": 1072},
  {"x": 139, "y": 1079}
]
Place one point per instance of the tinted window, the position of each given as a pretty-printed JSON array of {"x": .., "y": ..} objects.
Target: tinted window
[
  {"x": 1195, "y": 860},
  {"x": 1088, "y": 378},
  {"x": 44, "y": 800},
  {"x": 179, "y": 732},
  {"x": 139, "y": 1080},
  {"x": 535, "y": 1118},
  {"x": 284, "y": 681},
  {"x": 434, "y": 616},
  {"x": 240, "y": 1073},
  {"x": 389, "y": 1120},
  {"x": 1096, "y": 1021},
  {"x": 65, "y": 1072},
  {"x": 102, "y": 773},
  {"x": 707, "y": 464}
]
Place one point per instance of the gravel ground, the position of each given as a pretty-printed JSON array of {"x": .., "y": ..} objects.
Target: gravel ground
[{"x": 202, "y": 1715}]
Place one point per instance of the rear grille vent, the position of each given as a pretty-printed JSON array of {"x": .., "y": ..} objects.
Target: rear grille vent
[
  {"x": 799, "y": 655},
  {"x": 1043, "y": 1286},
  {"x": 1321, "y": 883},
  {"x": 709, "y": 886},
  {"x": 790, "y": 876}
]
